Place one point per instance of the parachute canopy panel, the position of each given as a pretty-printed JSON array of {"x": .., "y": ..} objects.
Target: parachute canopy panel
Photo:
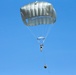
[{"x": 37, "y": 13}]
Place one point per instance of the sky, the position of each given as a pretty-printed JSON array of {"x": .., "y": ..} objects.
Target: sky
[{"x": 19, "y": 50}]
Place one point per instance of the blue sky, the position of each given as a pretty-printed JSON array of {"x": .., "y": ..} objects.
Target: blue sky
[{"x": 19, "y": 50}]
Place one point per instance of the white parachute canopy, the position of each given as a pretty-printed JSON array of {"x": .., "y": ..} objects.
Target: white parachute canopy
[
  {"x": 38, "y": 13},
  {"x": 38, "y": 17}
]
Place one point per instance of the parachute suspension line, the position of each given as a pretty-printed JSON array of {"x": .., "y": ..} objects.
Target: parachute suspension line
[
  {"x": 47, "y": 33},
  {"x": 31, "y": 32}
]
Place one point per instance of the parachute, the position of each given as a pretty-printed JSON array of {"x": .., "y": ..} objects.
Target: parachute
[
  {"x": 38, "y": 16},
  {"x": 38, "y": 13}
]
